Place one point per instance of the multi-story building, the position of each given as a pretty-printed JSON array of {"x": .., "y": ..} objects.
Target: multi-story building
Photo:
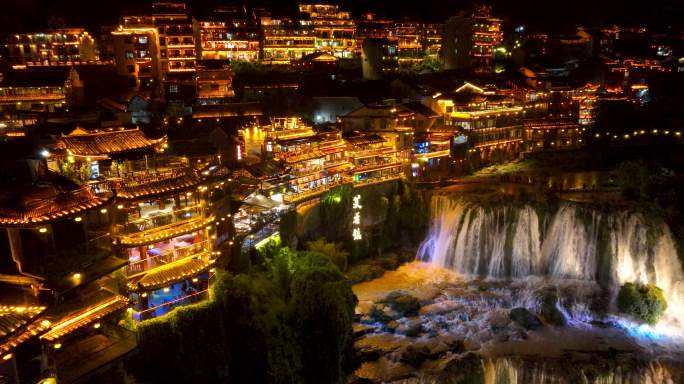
[
  {"x": 491, "y": 123},
  {"x": 67, "y": 46},
  {"x": 27, "y": 93},
  {"x": 487, "y": 35},
  {"x": 469, "y": 41},
  {"x": 409, "y": 37},
  {"x": 395, "y": 124},
  {"x": 158, "y": 51},
  {"x": 162, "y": 223},
  {"x": 60, "y": 292},
  {"x": 230, "y": 33},
  {"x": 374, "y": 160},
  {"x": 316, "y": 161},
  {"x": 176, "y": 37},
  {"x": 372, "y": 27},
  {"x": 334, "y": 29},
  {"x": 432, "y": 39},
  {"x": 286, "y": 40},
  {"x": 137, "y": 52},
  {"x": 214, "y": 82}
]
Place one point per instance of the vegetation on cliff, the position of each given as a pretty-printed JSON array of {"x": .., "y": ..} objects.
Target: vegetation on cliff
[
  {"x": 287, "y": 321},
  {"x": 642, "y": 302}
]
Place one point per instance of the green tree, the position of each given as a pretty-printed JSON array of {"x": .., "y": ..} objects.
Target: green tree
[{"x": 333, "y": 251}]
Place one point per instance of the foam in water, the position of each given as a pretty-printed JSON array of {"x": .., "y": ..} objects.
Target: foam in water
[{"x": 574, "y": 244}]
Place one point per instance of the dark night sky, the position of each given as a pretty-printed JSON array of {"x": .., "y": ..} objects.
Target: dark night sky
[{"x": 18, "y": 15}]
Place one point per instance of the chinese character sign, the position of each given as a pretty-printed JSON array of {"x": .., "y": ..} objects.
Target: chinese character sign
[{"x": 356, "y": 218}]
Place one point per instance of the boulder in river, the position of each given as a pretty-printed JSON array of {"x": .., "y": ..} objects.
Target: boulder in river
[
  {"x": 548, "y": 310},
  {"x": 525, "y": 318}
]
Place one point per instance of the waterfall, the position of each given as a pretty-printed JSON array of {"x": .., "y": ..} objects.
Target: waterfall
[
  {"x": 573, "y": 243},
  {"x": 518, "y": 371}
]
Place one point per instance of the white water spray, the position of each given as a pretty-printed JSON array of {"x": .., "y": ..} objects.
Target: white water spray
[{"x": 573, "y": 244}]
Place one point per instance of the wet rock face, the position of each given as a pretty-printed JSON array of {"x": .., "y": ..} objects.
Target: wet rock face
[
  {"x": 525, "y": 318},
  {"x": 403, "y": 303},
  {"x": 548, "y": 310},
  {"x": 414, "y": 355}
]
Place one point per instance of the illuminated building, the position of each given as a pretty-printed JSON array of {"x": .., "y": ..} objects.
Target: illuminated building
[
  {"x": 286, "y": 40},
  {"x": 214, "y": 82},
  {"x": 67, "y": 46},
  {"x": 176, "y": 37},
  {"x": 372, "y": 27},
  {"x": 432, "y": 39},
  {"x": 334, "y": 29},
  {"x": 158, "y": 51},
  {"x": 374, "y": 160},
  {"x": 161, "y": 223},
  {"x": 394, "y": 123},
  {"x": 579, "y": 45},
  {"x": 229, "y": 34},
  {"x": 487, "y": 35},
  {"x": 316, "y": 161},
  {"x": 57, "y": 269},
  {"x": 137, "y": 51},
  {"x": 409, "y": 37},
  {"x": 26, "y": 93},
  {"x": 413, "y": 40},
  {"x": 469, "y": 41},
  {"x": 319, "y": 62},
  {"x": 490, "y": 122}
]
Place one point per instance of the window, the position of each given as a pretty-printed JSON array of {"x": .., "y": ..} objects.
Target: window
[
  {"x": 142, "y": 40},
  {"x": 129, "y": 55},
  {"x": 173, "y": 88}
]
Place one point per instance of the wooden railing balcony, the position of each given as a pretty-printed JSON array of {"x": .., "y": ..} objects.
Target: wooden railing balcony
[
  {"x": 313, "y": 192},
  {"x": 165, "y": 231},
  {"x": 200, "y": 249}
]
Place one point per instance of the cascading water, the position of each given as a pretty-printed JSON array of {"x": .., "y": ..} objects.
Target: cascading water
[
  {"x": 572, "y": 244},
  {"x": 519, "y": 371}
]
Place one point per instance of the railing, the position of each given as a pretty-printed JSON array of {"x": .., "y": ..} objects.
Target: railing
[
  {"x": 377, "y": 166},
  {"x": 377, "y": 180},
  {"x": 137, "y": 178},
  {"x": 372, "y": 152},
  {"x": 160, "y": 220},
  {"x": 168, "y": 257},
  {"x": 166, "y": 307},
  {"x": 294, "y": 197},
  {"x": 165, "y": 232},
  {"x": 134, "y": 179}
]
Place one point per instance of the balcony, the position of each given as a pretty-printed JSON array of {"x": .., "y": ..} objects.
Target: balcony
[
  {"x": 313, "y": 192},
  {"x": 170, "y": 273},
  {"x": 167, "y": 307},
  {"x": 179, "y": 226},
  {"x": 177, "y": 253},
  {"x": 377, "y": 166}
]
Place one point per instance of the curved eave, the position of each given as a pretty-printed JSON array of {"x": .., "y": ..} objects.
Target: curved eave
[
  {"x": 24, "y": 222},
  {"x": 159, "y": 188},
  {"x": 164, "y": 233},
  {"x": 163, "y": 276}
]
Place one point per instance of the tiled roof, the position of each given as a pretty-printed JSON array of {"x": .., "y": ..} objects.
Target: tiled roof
[
  {"x": 105, "y": 143},
  {"x": 168, "y": 274},
  {"x": 179, "y": 182},
  {"x": 18, "y": 324},
  {"x": 83, "y": 313},
  {"x": 45, "y": 200}
]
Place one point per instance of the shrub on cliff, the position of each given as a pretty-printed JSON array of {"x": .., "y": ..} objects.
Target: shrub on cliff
[
  {"x": 290, "y": 323},
  {"x": 642, "y": 302}
]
